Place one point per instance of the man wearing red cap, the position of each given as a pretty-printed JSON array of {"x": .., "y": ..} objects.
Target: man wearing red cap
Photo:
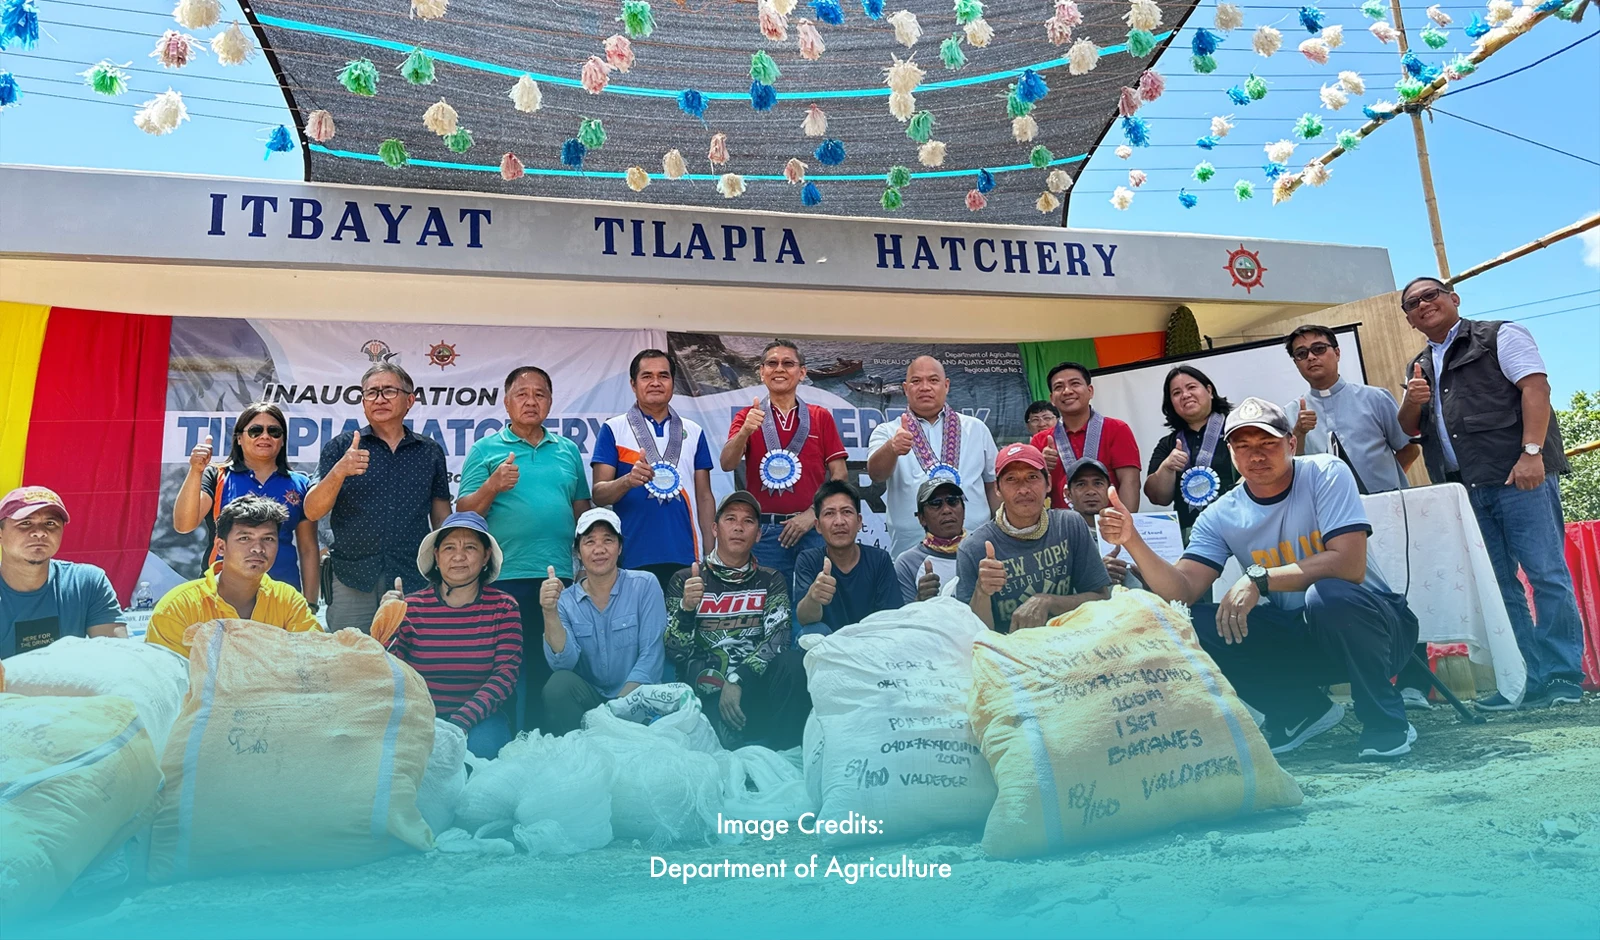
[
  {"x": 42, "y": 599},
  {"x": 1029, "y": 563}
]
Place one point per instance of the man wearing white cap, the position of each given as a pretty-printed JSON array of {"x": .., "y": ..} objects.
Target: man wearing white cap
[
  {"x": 41, "y": 599},
  {"x": 604, "y": 635}
]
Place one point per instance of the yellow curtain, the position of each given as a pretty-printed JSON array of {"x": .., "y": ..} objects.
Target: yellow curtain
[{"x": 21, "y": 339}]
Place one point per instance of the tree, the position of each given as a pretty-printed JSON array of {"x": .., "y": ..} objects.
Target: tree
[{"x": 1580, "y": 490}]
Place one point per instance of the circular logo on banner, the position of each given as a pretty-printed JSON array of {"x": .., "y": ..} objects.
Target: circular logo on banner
[
  {"x": 780, "y": 470},
  {"x": 1200, "y": 486},
  {"x": 442, "y": 354},
  {"x": 1245, "y": 268},
  {"x": 946, "y": 473},
  {"x": 666, "y": 483}
]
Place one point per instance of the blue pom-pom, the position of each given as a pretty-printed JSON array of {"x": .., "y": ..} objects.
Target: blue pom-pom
[
  {"x": 810, "y": 195},
  {"x": 19, "y": 23},
  {"x": 828, "y": 12},
  {"x": 1477, "y": 29},
  {"x": 1208, "y": 142},
  {"x": 1419, "y": 69},
  {"x": 1031, "y": 87},
  {"x": 692, "y": 103},
  {"x": 280, "y": 141},
  {"x": 1275, "y": 170},
  {"x": 1311, "y": 19},
  {"x": 762, "y": 96},
  {"x": 1373, "y": 114},
  {"x": 985, "y": 181},
  {"x": 1187, "y": 199},
  {"x": 830, "y": 152},
  {"x": 572, "y": 153},
  {"x": 1238, "y": 95},
  {"x": 1136, "y": 131},
  {"x": 10, "y": 94},
  {"x": 1549, "y": 5},
  {"x": 1205, "y": 42},
  {"x": 874, "y": 8}
]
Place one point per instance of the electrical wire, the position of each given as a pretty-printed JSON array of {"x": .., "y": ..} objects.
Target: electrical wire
[
  {"x": 1552, "y": 313},
  {"x": 1515, "y": 136},
  {"x": 1541, "y": 61},
  {"x": 1534, "y": 303}
]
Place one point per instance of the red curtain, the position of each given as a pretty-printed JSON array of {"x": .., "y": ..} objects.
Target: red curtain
[
  {"x": 95, "y": 433},
  {"x": 1583, "y": 557}
]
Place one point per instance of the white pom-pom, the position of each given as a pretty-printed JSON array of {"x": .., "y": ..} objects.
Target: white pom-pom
[
  {"x": 1334, "y": 97},
  {"x": 1024, "y": 129},
  {"x": 1136, "y": 178},
  {"x": 1281, "y": 151},
  {"x": 511, "y": 167},
  {"x": 1124, "y": 151},
  {"x": 1266, "y": 41},
  {"x": 1383, "y": 32},
  {"x": 816, "y": 122},
  {"x": 794, "y": 171},
  {"x": 1047, "y": 202},
  {"x": 1283, "y": 188},
  {"x": 232, "y": 46},
  {"x": 1521, "y": 19},
  {"x": 672, "y": 165},
  {"x": 1500, "y": 11},
  {"x": 161, "y": 114},
  {"x": 1353, "y": 83},
  {"x": 731, "y": 186},
  {"x": 428, "y": 9},
  {"x": 319, "y": 126},
  {"x": 197, "y": 14},
  {"x": 904, "y": 75},
  {"x": 1229, "y": 17},
  {"x": 637, "y": 178},
  {"x": 902, "y": 104},
  {"x": 619, "y": 53},
  {"x": 906, "y": 28},
  {"x": 1143, "y": 14},
  {"x": 1220, "y": 126},
  {"x": 1315, "y": 174},
  {"x": 1316, "y": 50},
  {"x": 784, "y": 6},
  {"x": 526, "y": 96},
  {"x": 1082, "y": 57},
  {"x": 979, "y": 32},
  {"x": 1058, "y": 181},
  {"x": 440, "y": 118},
  {"x": 1333, "y": 35},
  {"x": 1439, "y": 16},
  {"x": 1121, "y": 198},
  {"x": 931, "y": 153}
]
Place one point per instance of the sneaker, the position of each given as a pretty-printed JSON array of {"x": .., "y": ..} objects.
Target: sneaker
[
  {"x": 1386, "y": 745},
  {"x": 1556, "y": 693},
  {"x": 1289, "y": 737},
  {"x": 1495, "y": 703},
  {"x": 1415, "y": 698}
]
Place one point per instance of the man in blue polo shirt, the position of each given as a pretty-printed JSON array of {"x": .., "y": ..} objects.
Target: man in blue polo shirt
[{"x": 42, "y": 599}]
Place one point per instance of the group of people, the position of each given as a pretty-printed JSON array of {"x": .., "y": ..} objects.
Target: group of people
[{"x": 669, "y": 582}]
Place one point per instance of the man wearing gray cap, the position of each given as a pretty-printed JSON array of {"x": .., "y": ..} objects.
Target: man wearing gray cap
[
  {"x": 928, "y": 568},
  {"x": 1311, "y": 609},
  {"x": 1089, "y": 488}
]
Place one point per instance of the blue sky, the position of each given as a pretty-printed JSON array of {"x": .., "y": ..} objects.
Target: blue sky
[{"x": 1494, "y": 192}]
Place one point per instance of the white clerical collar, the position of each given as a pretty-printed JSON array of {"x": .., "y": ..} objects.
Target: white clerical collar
[{"x": 1330, "y": 390}]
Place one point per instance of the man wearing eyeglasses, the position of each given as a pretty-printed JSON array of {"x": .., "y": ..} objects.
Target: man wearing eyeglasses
[
  {"x": 386, "y": 487},
  {"x": 928, "y": 568},
  {"x": 42, "y": 599},
  {"x": 1359, "y": 424},
  {"x": 1479, "y": 398},
  {"x": 761, "y": 435},
  {"x": 1041, "y": 416}
]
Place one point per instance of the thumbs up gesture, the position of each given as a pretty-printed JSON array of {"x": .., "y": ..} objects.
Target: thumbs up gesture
[
  {"x": 200, "y": 457},
  {"x": 991, "y": 572},
  {"x": 354, "y": 461},
  {"x": 1418, "y": 392},
  {"x": 1052, "y": 458},
  {"x": 928, "y": 583},
  {"x": 1307, "y": 419},
  {"x": 900, "y": 443},
  {"x": 694, "y": 588},
  {"x": 640, "y": 474},
  {"x": 752, "y": 419},
  {"x": 822, "y": 589},
  {"x": 504, "y": 478},
  {"x": 1178, "y": 459},
  {"x": 550, "y": 591},
  {"x": 1116, "y": 523}
]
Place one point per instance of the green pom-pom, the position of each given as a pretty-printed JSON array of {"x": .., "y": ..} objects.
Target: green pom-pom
[
  {"x": 1256, "y": 87},
  {"x": 106, "y": 79},
  {"x": 920, "y": 127},
  {"x": 891, "y": 199},
  {"x": 1409, "y": 89},
  {"x": 1244, "y": 189},
  {"x": 1435, "y": 37},
  {"x": 763, "y": 69},
  {"x": 1461, "y": 66},
  {"x": 393, "y": 153},
  {"x": 1348, "y": 140},
  {"x": 968, "y": 10},
  {"x": 1016, "y": 107},
  {"x": 1204, "y": 172},
  {"x": 1375, "y": 10},
  {"x": 460, "y": 141},
  {"x": 1141, "y": 42},
  {"x": 1040, "y": 156},
  {"x": 1309, "y": 127},
  {"x": 591, "y": 133},
  {"x": 1204, "y": 64},
  {"x": 950, "y": 52},
  {"x": 898, "y": 177},
  {"x": 637, "y": 20},
  {"x": 1569, "y": 11},
  {"x": 417, "y": 68},
  {"x": 360, "y": 77}
]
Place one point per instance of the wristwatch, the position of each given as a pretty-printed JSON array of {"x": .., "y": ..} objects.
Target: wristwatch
[
  {"x": 732, "y": 678},
  {"x": 1532, "y": 450},
  {"x": 1258, "y": 576}
]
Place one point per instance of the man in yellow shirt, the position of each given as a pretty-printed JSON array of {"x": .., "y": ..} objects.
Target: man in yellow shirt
[{"x": 237, "y": 586}]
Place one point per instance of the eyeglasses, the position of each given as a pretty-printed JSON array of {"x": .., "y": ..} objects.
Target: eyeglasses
[
  {"x": 940, "y": 502},
  {"x": 1427, "y": 296},
  {"x": 271, "y": 430},
  {"x": 1315, "y": 349},
  {"x": 784, "y": 364},
  {"x": 386, "y": 393}
]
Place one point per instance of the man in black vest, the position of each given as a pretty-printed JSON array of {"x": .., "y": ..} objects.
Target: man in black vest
[{"x": 1479, "y": 399}]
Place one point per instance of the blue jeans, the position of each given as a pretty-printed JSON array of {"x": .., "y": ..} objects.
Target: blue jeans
[
  {"x": 1525, "y": 527},
  {"x": 488, "y": 736},
  {"x": 770, "y": 554}
]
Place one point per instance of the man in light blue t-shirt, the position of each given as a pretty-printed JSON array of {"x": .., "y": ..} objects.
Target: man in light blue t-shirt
[{"x": 1312, "y": 607}]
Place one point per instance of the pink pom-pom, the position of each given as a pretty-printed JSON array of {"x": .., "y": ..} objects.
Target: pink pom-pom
[
  {"x": 1067, "y": 12},
  {"x": 1058, "y": 32},
  {"x": 174, "y": 49},
  {"x": 811, "y": 46},
  {"x": 319, "y": 126},
  {"x": 794, "y": 171},
  {"x": 1316, "y": 50},
  {"x": 510, "y": 167},
  {"x": 1383, "y": 31},
  {"x": 976, "y": 200},
  {"x": 619, "y": 53},
  {"x": 1151, "y": 85},
  {"x": 1128, "y": 102},
  {"x": 596, "y": 74},
  {"x": 774, "y": 25},
  {"x": 1136, "y": 178},
  {"x": 718, "y": 154}
]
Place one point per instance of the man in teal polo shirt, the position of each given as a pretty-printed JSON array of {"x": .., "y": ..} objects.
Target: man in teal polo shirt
[{"x": 530, "y": 485}]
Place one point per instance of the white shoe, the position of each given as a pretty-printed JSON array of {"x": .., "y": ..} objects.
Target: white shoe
[
  {"x": 1308, "y": 728},
  {"x": 1415, "y": 698}
]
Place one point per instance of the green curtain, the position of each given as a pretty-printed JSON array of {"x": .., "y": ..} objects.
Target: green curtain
[{"x": 1039, "y": 358}]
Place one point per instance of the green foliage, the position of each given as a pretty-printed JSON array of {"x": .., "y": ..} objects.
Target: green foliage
[{"x": 1580, "y": 490}]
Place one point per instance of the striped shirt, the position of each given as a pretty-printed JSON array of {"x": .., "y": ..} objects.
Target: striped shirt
[{"x": 469, "y": 656}]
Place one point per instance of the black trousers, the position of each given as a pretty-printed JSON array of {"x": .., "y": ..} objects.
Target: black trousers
[
  {"x": 776, "y": 705},
  {"x": 529, "y": 713}
]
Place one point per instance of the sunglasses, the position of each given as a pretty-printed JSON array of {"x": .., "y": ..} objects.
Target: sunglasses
[
  {"x": 940, "y": 502},
  {"x": 1315, "y": 349},
  {"x": 271, "y": 430},
  {"x": 1427, "y": 296}
]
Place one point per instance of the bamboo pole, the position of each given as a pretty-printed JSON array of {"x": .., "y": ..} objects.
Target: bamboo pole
[
  {"x": 1423, "y": 164},
  {"x": 1584, "y": 448},
  {"x": 1582, "y": 225}
]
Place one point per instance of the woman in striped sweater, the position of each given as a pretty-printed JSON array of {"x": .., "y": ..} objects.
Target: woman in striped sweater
[{"x": 462, "y": 636}]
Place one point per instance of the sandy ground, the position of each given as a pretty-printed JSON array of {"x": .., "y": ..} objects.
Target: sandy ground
[{"x": 1450, "y": 841}]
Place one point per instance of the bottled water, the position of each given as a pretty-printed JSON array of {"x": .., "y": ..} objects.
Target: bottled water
[{"x": 142, "y": 598}]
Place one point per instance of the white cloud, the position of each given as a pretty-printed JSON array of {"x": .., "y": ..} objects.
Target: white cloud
[{"x": 1591, "y": 247}]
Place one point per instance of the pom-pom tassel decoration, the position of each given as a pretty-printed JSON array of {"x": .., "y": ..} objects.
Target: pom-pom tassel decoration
[
  {"x": 986, "y": 182},
  {"x": 393, "y": 153},
  {"x": 1333, "y": 35},
  {"x": 1057, "y": 29},
  {"x": 1136, "y": 178},
  {"x": 811, "y": 45},
  {"x": 920, "y": 127},
  {"x": 636, "y": 178},
  {"x": 359, "y": 77},
  {"x": 417, "y": 68},
  {"x": 319, "y": 126},
  {"x": 1409, "y": 89},
  {"x": 968, "y": 10},
  {"x": 762, "y": 97},
  {"x": 731, "y": 185},
  {"x": 1458, "y": 68},
  {"x": 763, "y": 69},
  {"x": 232, "y": 46},
  {"x": 1040, "y": 156},
  {"x": 1229, "y": 17},
  {"x": 1334, "y": 97},
  {"x": 1435, "y": 38},
  {"x": 1500, "y": 11},
  {"x": 1047, "y": 202},
  {"x": 1059, "y": 181},
  {"x": 891, "y": 199},
  {"x": 429, "y": 9},
  {"x": 1379, "y": 110},
  {"x": 460, "y": 141},
  {"x": 873, "y": 9},
  {"x": 931, "y": 153},
  {"x": 1220, "y": 126},
  {"x": 1031, "y": 87},
  {"x": 197, "y": 14},
  {"x": 898, "y": 177},
  {"x": 1256, "y": 87},
  {"x": 1140, "y": 43},
  {"x": 1151, "y": 85},
  {"x": 10, "y": 94},
  {"x": 173, "y": 50},
  {"x": 1477, "y": 28},
  {"x": 1314, "y": 174},
  {"x": 950, "y": 53},
  {"x": 1419, "y": 69},
  {"x": 161, "y": 115},
  {"x": 592, "y": 133},
  {"x": 1015, "y": 106},
  {"x": 774, "y": 25},
  {"x": 1315, "y": 50},
  {"x": 1274, "y": 170},
  {"x": 572, "y": 153},
  {"x": 1311, "y": 19},
  {"x": 1374, "y": 9},
  {"x": 718, "y": 152},
  {"x": 440, "y": 118},
  {"x": 1204, "y": 42},
  {"x": 1281, "y": 151},
  {"x": 1123, "y": 151},
  {"x": 1121, "y": 198},
  {"x": 810, "y": 195},
  {"x": 830, "y": 152},
  {"x": 1283, "y": 188},
  {"x": 511, "y": 167},
  {"x": 1439, "y": 16},
  {"x": 1204, "y": 172},
  {"x": 619, "y": 53},
  {"x": 1208, "y": 142},
  {"x": 692, "y": 103},
  {"x": 906, "y": 28},
  {"x": 1348, "y": 139},
  {"x": 1024, "y": 129},
  {"x": 106, "y": 78},
  {"x": 1142, "y": 14},
  {"x": 1266, "y": 41},
  {"x": 1082, "y": 57},
  {"x": 1244, "y": 189},
  {"x": 1187, "y": 199},
  {"x": 794, "y": 171},
  {"x": 636, "y": 19},
  {"x": 903, "y": 76},
  {"x": 1136, "y": 131},
  {"x": 19, "y": 23},
  {"x": 673, "y": 166},
  {"x": 525, "y": 95},
  {"x": 976, "y": 201},
  {"x": 596, "y": 75},
  {"x": 1383, "y": 32},
  {"x": 978, "y": 32},
  {"x": 1203, "y": 64},
  {"x": 1128, "y": 102},
  {"x": 1353, "y": 83},
  {"x": 1238, "y": 95},
  {"x": 902, "y": 105},
  {"x": 816, "y": 122},
  {"x": 1068, "y": 13},
  {"x": 828, "y": 12}
]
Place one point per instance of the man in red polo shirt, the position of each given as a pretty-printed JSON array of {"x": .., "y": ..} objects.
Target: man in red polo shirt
[
  {"x": 788, "y": 452},
  {"x": 1083, "y": 429}
]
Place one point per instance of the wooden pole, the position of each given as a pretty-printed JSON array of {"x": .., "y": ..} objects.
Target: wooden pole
[
  {"x": 1423, "y": 164},
  {"x": 1582, "y": 225}
]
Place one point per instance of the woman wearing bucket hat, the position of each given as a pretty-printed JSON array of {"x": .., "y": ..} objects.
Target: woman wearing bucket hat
[{"x": 462, "y": 636}]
